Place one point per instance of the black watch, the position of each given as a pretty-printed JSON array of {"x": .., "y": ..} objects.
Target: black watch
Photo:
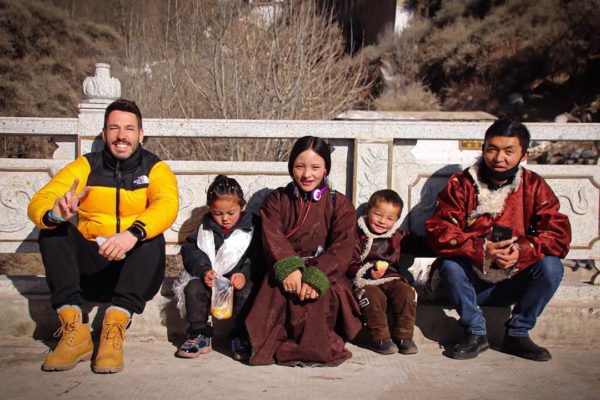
[{"x": 138, "y": 232}]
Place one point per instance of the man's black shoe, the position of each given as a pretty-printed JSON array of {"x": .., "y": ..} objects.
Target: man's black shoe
[
  {"x": 525, "y": 348},
  {"x": 470, "y": 347}
]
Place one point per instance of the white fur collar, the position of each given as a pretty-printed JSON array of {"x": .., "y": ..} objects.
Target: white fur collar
[
  {"x": 491, "y": 201},
  {"x": 360, "y": 280},
  {"x": 362, "y": 224}
]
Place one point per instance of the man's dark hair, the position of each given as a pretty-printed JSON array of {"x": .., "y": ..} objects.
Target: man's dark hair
[
  {"x": 124, "y": 105},
  {"x": 509, "y": 128},
  {"x": 387, "y": 196},
  {"x": 313, "y": 143}
]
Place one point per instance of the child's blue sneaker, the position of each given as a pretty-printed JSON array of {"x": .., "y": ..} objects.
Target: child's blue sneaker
[
  {"x": 195, "y": 345},
  {"x": 241, "y": 349}
]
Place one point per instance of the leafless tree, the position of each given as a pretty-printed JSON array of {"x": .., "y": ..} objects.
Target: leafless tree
[{"x": 226, "y": 59}]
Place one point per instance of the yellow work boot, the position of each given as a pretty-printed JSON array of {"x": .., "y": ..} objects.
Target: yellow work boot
[
  {"x": 75, "y": 341},
  {"x": 110, "y": 354}
]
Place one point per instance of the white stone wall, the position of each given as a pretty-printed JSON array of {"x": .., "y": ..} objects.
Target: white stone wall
[{"x": 369, "y": 155}]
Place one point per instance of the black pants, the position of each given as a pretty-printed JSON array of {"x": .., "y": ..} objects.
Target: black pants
[
  {"x": 198, "y": 301},
  {"x": 76, "y": 273}
]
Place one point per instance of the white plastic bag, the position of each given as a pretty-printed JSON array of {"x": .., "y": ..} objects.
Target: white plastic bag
[{"x": 222, "y": 298}]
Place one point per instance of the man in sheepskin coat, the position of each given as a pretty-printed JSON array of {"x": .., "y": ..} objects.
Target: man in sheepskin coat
[{"x": 499, "y": 237}]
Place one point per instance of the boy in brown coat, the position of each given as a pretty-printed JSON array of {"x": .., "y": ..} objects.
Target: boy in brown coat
[{"x": 376, "y": 274}]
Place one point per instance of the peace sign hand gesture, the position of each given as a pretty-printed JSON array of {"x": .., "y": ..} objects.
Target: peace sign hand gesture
[{"x": 68, "y": 205}]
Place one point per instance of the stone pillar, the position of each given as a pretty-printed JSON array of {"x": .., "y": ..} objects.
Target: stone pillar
[
  {"x": 100, "y": 90},
  {"x": 371, "y": 168}
]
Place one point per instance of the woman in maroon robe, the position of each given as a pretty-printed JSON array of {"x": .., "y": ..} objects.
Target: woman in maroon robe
[{"x": 305, "y": 309}]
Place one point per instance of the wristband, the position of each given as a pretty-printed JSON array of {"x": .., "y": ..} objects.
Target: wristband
[
  {"x": 55, "y": 217},
  {"x": 137, "y": 231}
]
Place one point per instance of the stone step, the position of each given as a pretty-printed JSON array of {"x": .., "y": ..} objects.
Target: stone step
[{"x": 571, "y": 319}]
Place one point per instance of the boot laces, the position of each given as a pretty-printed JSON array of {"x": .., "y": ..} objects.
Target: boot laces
[
  {"x": 115, "y": 332},
  {"x": 68, "y": 330}
]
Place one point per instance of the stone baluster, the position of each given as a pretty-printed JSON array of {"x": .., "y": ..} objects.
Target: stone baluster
[{"x": 100, "y": 90}]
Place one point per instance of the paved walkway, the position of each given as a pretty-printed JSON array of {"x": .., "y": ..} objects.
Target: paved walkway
[{"x": 152, "y": 372}]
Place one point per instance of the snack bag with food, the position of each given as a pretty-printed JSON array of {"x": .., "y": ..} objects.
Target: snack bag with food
[{"x": 222, "y": 298}]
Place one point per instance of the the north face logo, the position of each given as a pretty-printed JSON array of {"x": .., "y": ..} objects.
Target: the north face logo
[{"x": 141, "y": 180}]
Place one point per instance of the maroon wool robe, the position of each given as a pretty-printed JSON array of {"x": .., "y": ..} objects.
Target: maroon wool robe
[{"x": 282, "y": 328}]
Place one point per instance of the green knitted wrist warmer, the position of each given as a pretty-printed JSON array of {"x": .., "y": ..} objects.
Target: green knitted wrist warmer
[
  {"x": 286, "y": 266},
  {"x": 314, "y": 277}
]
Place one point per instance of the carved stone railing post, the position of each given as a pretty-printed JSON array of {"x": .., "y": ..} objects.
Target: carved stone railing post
[
  {"x": 100, "y": 90},
  {"x": 371, "y": 167}
]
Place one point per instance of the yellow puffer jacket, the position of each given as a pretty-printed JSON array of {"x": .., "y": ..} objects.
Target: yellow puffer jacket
[{"x": 142, "y": 188}]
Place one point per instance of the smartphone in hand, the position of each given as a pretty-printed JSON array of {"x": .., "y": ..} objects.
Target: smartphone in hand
[{"x": 500, "y": 233}]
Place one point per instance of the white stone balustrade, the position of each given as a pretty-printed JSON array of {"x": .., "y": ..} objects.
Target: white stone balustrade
[{"x": 369, "y": 155}]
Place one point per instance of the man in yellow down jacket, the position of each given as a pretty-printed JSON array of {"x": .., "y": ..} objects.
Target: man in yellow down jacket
[{"x": 125, "y": 198}]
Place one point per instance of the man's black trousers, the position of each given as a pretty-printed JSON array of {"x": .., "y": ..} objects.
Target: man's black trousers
[{"x": 76, "y": 273}]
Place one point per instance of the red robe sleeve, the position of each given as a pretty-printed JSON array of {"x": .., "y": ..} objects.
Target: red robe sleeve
[
  {"x": 549, "y": 230},
  {"x": 445, "y": 230}
]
